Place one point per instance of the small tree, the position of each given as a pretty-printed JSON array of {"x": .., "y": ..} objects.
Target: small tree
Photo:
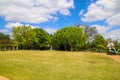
[{"x": 98, "y": 42}]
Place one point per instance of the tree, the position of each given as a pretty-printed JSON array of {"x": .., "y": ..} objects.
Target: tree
[
  {"x": 5, "y": 42},
  {"x": 3, "y": 36},
  {"x": 24, "y": 36},
  {"x": 42, "y": 39},
  {"x": 88, "y": 30},
  {"x": 98, "y": 42},
  {"x": 117, "y": 44},
  {"x": 30, "y": 38},
  {"x": 69, "y": 38},
  {"x": 5, "y": 39}
]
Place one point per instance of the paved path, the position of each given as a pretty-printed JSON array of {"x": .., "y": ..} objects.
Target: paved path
[
  {"x": 3, "y": 78},
  {"x": 115, "y": 57}
]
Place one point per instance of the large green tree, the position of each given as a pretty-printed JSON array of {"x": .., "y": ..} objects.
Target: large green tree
[
  {"x": 24, "y": 36},
  {"x": 69, "y": 38},
  {"x": 98, "y": 42},
  {"x": 42, "y": 39}
]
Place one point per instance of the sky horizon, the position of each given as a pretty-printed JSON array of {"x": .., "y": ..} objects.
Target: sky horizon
[{"x": 52, "y": 15}]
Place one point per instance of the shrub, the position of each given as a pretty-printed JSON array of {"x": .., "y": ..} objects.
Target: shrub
[{"x": 117, "y": 52}]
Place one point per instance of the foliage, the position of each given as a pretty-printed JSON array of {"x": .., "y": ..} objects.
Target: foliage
[
  {"x": 68, "y": 38},
  {"x": 117, "y": 45},
  {"x": 29, "y": 38},
  {"x": 71, "y": 38},
  {"x": 42, "y": 39},
  {"x": 90, "y": 31},
  {"x": 24, "y": 36},
  {"x": 5, "y": 39},
  {"x": 98, "y": 42},
  {"x": 3, "y": 36},
  {"x": 117, "y": 52}
]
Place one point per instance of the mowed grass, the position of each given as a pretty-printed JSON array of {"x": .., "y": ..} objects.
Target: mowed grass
[{"x": 57, "y": 65}]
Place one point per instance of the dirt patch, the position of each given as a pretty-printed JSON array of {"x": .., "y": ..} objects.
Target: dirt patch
[
  {"x": 3, "y": 78},
  {"x": 115, "y": 57}
]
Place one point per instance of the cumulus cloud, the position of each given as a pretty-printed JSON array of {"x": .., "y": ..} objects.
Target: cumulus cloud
[
  {"x": 13, "y": 24},
  {"x": 115, "y": 34},
  {"x": 4, "y": 30},
  {"x": 16, "y": 24},
  {"x": 50, "y": 30},
  {"x": 34, "y": 11},
  {"x": 108, "y": 10},
  {"x": 81, "y": 12},
  {"x": 114, "y": 20},
  {"x": 65, "y": 12},
  {"x": 103, "y": 30},
  {"x": 10, "y": 25}
]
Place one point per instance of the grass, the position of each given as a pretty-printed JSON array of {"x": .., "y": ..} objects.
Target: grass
[{"x": 57, "y": 65}]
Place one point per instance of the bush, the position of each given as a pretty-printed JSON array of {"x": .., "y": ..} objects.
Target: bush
[{"x": 117, "y": 52}]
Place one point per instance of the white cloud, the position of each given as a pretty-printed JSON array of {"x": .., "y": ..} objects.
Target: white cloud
[
  {"x": 101, "y": 29},
  {"x": 50, "y": 30},
  {"x": 4, "y": 30},
  {"x": 16, "y": 24},
  {"x": 81, "y": 12},
  {"x": 114, "y": 20},
  {"x": 94, "y": 13},
  {"x": 108, "y": 10},
  {"x": 114, "y": 34},
  {"x": 32, "y": 26},
  {"x": 34, "y": 11},
  {"x": 12, "y": 24},
  {"x": 65, "y": 12}
]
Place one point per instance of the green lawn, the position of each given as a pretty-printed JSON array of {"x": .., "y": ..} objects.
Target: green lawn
[{"x": 57, "y": 65}]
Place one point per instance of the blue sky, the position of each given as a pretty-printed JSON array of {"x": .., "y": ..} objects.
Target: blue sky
[{"x": 52, "y": 15}]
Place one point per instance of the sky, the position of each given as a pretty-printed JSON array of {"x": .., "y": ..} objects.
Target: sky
[{"x": 52, "y": 15}]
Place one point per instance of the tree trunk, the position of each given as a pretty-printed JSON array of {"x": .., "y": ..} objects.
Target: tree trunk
[
  {"x": 65, "y": 48},
  {"x": 71, "y": 48},
  {"x": 13, "y": 48},
  {"x": 51, "y": 47},
  {"x": 9, "y": 47},
  {"x": 17, "y": 47}
]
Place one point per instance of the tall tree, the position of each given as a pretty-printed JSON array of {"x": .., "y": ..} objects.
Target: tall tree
[
  {"x": 88, "y": 30},
  {"x": 23, "y": 35},
  {"x": 69, "y": 38},
  {"x": 98, "y": 42},
  {"x": 42, "y": 39}
]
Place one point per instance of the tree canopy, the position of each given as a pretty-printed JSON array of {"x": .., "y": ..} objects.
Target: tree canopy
[
  {"x": 42, "y": 39},
  {"x": 3, "y": 36},
  {"x": 29, "y": 38},
  {"x": 69, "y": 38}
]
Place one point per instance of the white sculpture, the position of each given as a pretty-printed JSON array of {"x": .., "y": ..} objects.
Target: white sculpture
[
  {"x": 110, "y": 45},
  {"x": 111, "y": 48}
]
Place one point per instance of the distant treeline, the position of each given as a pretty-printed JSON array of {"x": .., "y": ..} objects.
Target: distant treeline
[{"x": 72, "y": 38}]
